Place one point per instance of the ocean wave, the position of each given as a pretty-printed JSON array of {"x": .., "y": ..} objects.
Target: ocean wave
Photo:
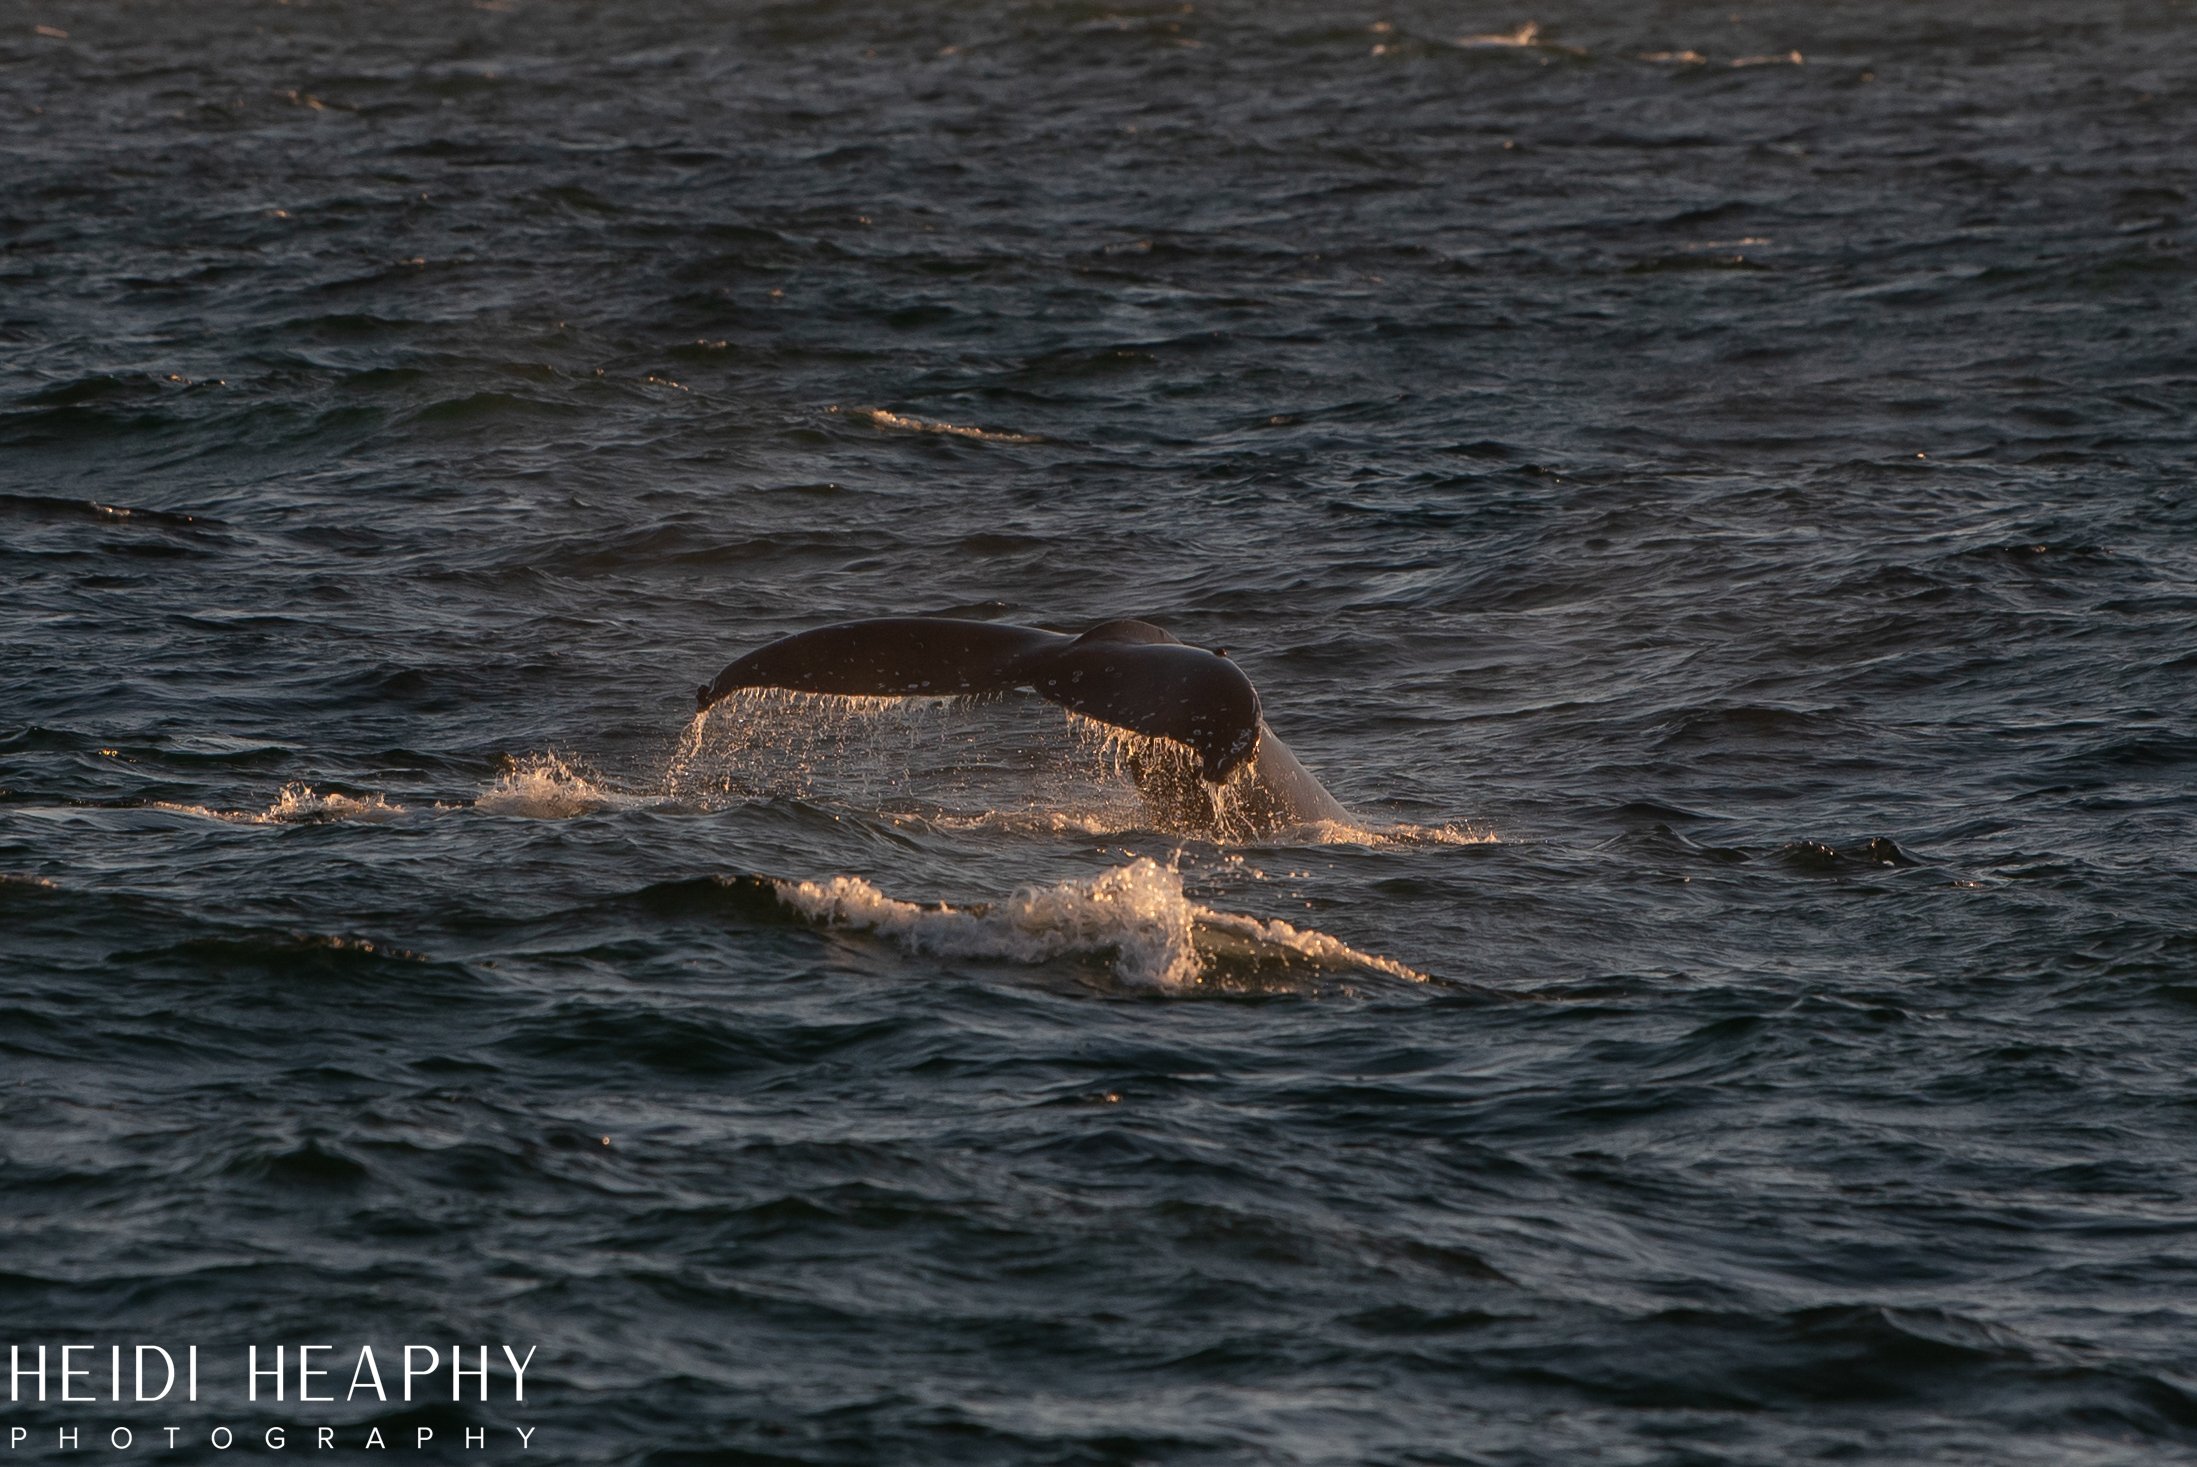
[
  {"x": 1136, "y": 915},
  {"x": 297, "y": 804},
  {"x": 1400, "y": 833},
  {"x": 908, "y": 423},
  {"x": 1526, "y": 37}
]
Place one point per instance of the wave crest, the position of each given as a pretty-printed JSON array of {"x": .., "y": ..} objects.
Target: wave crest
[
  {"x": 1136, "y": 914},
  {"x": 297, "y": 804}
]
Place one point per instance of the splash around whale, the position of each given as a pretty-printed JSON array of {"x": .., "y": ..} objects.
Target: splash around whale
[{"x": 1232, "y": 776}]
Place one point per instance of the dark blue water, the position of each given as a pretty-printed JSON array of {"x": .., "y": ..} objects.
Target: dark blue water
[{"x": 1712, "y": 489}]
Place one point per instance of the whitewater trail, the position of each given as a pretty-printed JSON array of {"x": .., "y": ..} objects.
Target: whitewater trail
[{"x": 1136, "y": 914}]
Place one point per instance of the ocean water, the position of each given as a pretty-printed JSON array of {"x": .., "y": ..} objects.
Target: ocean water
[{"x": 1710, "y": 487}]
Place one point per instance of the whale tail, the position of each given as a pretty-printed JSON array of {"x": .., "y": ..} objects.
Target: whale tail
[
  {"x": 1121, "y": 674},
  {"x": 888, "y": 657},
  {"x": 1128, "y": 674}
]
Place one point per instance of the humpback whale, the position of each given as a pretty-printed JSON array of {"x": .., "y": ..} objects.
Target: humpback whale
[{"x": 1237, "y": 778}]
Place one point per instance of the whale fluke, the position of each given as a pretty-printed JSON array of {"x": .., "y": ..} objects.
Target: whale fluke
[
  {"x": 1128, "y": 674},
  {"x": 889, "y": 657}
]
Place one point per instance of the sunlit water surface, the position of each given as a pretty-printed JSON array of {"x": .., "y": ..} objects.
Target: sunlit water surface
[{"x": 1709, "y": 488}]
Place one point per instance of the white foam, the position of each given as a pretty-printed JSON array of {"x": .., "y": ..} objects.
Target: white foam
[
  {"x": 297, "y": 804},
  {"x": 1402, "y": 833},
  {"x": 909, "y": 423},
  {"x": 545, "y": 787},
  {"x": 1526, "y": 38},
  {"x": 1096, "y": 824},
  {"x": 1528, "y": 34},
  {"x": 1137, "y": 914}
]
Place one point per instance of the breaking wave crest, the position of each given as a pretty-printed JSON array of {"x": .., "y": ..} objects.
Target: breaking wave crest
[
  {"x": 297, "y": 804},
  {"x": 1398, "y": 833},
  {"x": 1136, "y": 915},
  {"x": 909, "y": 423}
]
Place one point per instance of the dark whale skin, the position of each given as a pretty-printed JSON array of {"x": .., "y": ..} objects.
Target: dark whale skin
[{"x": 1129, "y": 674}]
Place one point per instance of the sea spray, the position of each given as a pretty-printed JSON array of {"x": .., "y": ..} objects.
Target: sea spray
[
  {"x": 1012, "y": 763},
  {"x": 546, "y": 787}
]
